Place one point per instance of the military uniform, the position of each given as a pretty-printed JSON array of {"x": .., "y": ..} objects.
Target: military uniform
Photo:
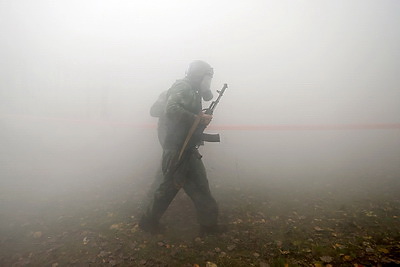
[
  {"x": 158, "y": 110},
  {"x": 183, "y": 104}
]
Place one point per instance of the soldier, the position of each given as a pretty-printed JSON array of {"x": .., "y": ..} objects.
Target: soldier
[{"x": 183, "y": 105}]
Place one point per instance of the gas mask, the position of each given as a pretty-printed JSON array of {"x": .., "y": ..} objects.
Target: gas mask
[{"x": 205, "y": 86}]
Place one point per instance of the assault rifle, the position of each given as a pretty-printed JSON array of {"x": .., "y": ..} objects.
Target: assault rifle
[{"x": 199, "y": 129}]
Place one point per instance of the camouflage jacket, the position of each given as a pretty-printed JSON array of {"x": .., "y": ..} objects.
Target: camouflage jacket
[{"x": 183, "y": 104}]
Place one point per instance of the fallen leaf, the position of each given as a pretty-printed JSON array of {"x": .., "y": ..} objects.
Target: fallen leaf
[
  {"x": 347, "y": 258},
  {"x": 231, "y": 247},
  {"x": 369, "y": 250},
  {"x": 134, "y": 229},
  {"x": 210, "y": 264},
  {"x": 326, "y": 259},
  {"x": 37, "y": 234},
  {"x": 102, "y": 254},
  {"x": 339, "y": 246},
  {"x": 370, "y": 214},
  {"x": 296, "y": 243},
  {"x": 284, "y": 252},
  {"x": 383, "y": 250},
  {"x": 116, "y": 226}
]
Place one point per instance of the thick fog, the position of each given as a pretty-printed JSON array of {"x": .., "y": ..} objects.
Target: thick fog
[{"x": 313, "y": 97}]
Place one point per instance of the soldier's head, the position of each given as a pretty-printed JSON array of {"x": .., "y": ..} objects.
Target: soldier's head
[{"x": 201, "y": 73}]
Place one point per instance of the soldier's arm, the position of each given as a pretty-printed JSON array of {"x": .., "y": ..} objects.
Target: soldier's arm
[{"x": 180, "y": 96}]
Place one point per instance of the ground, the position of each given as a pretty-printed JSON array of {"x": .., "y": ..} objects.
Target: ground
[{"x": 270, "y": 224}]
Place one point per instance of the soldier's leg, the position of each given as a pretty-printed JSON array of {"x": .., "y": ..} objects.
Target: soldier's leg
[
  {"x": 161, "y": 200},
  {"x": 197, "y": 187},
  {"x": 158, "y": 179}
]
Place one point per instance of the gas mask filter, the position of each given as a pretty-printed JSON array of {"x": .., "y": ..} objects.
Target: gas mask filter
[{"x": 205, "y": 86}]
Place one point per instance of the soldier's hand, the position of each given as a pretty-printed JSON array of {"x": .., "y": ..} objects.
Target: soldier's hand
[{"x": 205, "y": 119}]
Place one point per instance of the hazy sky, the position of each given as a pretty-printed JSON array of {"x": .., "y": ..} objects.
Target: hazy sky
[{"x": 285, "y": 61}]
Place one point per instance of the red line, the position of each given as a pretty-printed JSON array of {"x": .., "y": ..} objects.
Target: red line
[
  {"x": 306, "y": 127},
  {"x": 226, "y": 127}
]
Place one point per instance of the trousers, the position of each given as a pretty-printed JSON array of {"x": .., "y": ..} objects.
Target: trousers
[{"x": 191, "y": 176}]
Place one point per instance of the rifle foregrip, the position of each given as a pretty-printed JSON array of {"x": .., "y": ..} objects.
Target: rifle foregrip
[{"x": 210, "y": 137}]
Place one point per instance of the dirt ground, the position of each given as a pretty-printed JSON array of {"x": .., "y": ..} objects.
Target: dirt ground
[{"x": 269, "y": 225}]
